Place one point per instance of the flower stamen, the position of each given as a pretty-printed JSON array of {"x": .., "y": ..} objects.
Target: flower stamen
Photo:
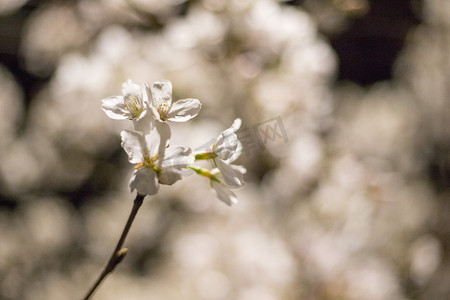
[
  {"x": 134, "y": 105},
  {"x": 164, "y": 108},
  {"x": 149, "y": 162}
]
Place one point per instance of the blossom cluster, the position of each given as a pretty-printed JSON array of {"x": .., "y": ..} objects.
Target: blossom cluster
[{"x": 150, "y": 108}]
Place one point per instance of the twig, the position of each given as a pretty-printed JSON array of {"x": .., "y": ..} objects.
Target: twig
[{"x": 119, "y": 252}]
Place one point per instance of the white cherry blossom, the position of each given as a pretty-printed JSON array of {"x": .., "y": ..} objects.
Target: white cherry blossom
[
  {"x": 224, "y": 176},
  {"x": 226, "y": 150},
  {"x": 154, "y": 163},
  {"x": 131, "y": 105},
  {"x": 163, "y": 109}
]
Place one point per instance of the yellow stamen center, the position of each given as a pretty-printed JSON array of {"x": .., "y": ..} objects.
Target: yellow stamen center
[
  {"x": 134, "y": 105},
  {"x": 149, "y": 162},
  {"x": 163, "y": 109}
]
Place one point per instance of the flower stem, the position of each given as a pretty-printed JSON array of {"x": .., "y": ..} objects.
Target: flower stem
[{"x": 119, "y": 252}]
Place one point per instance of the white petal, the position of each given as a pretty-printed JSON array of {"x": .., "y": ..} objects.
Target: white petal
[
  {"x": 184, "y": 110},
  {"x": 239, "y": 172},
  {"x": 229, "y": 176},
  {"x": 131, "y": 88},
  {"x": 226, "y": 144},
  {"x": 169, "y": 176},
  {"x": 164, "y": 132},
  {"x": 239, "y": 169},
  {"x": 148, "y": 124},
  {"x": 134, "y": 145},
  {"x": 178, "y": 158},
  {"x": 161, "y": 92},
  {"x": 206, "y": 147},
  {"x": 144, "y": 124},
  {"x": 154, "y": 112},
  {"x": 145, "y": 181},
  {"x": 236, "y": 125},
  {"x": 146, "y": 94},
  {"x": 223, "y": 193},
  {"x": 150, "y": 103},
  {"x": 152, "y": 142},
  {"x": 141, "y": 116},
  {"x": 114, "y": 108},
  {"x": 235, "y": 155},
  {"x": 160, "y": 140}
]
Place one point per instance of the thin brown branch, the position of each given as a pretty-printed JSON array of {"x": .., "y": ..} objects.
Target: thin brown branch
[{"x": 119, "y": 252}]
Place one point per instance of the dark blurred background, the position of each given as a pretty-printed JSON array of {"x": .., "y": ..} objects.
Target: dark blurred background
[{"x": 354, "y": 206}]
